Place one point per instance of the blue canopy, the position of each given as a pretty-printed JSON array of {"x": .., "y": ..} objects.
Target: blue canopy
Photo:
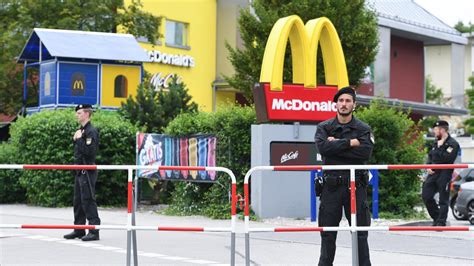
[{"x": 82, "y": 45}]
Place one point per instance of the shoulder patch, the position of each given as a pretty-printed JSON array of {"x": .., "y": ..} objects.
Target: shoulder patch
[{"x": 449, "y": 149}]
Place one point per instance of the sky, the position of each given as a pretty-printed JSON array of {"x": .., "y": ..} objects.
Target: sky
[{"x": 450, "y": 11}]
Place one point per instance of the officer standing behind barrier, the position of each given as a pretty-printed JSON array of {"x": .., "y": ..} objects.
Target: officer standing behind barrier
[
  {"x": 86, "y": 144},
  {"x": 343, "y": 140},
  {"x": 444, "y": 151}
]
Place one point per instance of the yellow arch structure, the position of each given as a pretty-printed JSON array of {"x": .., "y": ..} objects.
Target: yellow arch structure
[{"x": 304, "y": 41}]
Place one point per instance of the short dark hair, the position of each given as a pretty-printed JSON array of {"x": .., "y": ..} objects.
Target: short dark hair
[{"x": 88, "y": 110}]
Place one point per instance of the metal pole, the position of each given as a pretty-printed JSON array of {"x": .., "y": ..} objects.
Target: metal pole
[
  {"x": 232, "y": 249},
  {"x": 355, "y": 249},
  {"x": 375, "y": 193},
  {"x": 312, "y": 196},
  {"x": 129, "y": 216},
  {"x": 233, "y": 221},
  {"x": 247, "y": 249},
  {"x": 247, "y": 221},
  {"x": 134, "y": 232}
]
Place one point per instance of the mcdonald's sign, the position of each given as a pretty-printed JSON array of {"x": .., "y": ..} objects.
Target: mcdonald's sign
[
  {"x": 78, "y": 84},
  {"x": 304, "y": 99}
]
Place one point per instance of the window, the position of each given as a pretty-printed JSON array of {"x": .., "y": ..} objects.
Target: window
[
  {"x": 121, "y": 87},
  {"x": 176, "y": 34}
]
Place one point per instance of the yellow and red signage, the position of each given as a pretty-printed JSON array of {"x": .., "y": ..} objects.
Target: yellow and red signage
[{"x": 303, "y": 100}]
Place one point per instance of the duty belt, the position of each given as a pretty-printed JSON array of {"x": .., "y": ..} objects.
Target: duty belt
[{"x": 337, "y": 180}]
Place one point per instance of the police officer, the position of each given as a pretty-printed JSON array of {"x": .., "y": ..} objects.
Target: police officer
[
  {"x": 444, "y": 151},
  {"x": 86, "y": 144},
  {"x": 343, "y": 140}
]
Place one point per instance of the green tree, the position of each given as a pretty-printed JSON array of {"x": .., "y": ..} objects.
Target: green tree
[
  {"x": 433, "y": 94},
  {"x": 397, "y": 141},
  {"x": 355, "y": 23},
  {"x": 464, "y": 28},
  {"x": 152, "y": 110},
  {"x": 470, "y": 93},
  {"x": 19, "y": 17}
]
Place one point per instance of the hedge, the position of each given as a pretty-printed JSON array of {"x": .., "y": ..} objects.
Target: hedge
[
  {"x": 46, "y": 138},
  {"x": 10, "y": 189}
]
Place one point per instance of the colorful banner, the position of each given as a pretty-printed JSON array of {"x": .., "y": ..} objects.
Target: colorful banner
[{"x": 163, "y": 150}]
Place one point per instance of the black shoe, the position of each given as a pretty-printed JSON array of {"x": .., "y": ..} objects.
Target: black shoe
[
  {"x": 91, "y": 237},
  {"x": 75, "y": 234}
]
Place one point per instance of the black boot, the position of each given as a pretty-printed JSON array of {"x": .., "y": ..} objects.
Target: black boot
[
  {"x": 75, "y": 234},
  {"x": 91, "y": 236}
]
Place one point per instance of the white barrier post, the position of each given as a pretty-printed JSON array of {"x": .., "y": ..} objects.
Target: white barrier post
[
  {"x": 129, "y": 216},
  {"x": 355, "y": 246},
  {"x": 134, "y": 232}
]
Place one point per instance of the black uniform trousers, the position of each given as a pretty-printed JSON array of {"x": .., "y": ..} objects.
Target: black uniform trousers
[
  {"x": 333, "y": 199},
  {"x": 437, "y": 183},
  {"x": 85, "y": 206}
]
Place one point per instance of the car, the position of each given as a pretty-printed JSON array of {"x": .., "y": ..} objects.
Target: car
[
  {"x": 465, "y": 201},
  {"x": 465, "y": 175}
]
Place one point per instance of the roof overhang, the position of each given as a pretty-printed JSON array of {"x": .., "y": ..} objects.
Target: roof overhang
[
  {"x": 424, "y": 109},
  {"x": 424, "y": 34},
  {"x": 82, "y": 45}
]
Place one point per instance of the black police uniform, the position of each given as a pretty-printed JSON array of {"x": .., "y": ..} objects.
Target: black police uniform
[
  {"x": 439, "y": 181},
  {"x": 85, "y": 206},
  {"x": 336, "y": 189}
]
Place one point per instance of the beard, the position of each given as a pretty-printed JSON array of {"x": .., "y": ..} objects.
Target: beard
[{"x": 346, "y": 113}]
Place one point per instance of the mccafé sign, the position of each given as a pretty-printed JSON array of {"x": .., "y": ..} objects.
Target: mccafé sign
[{"x": 303, "y": 100}]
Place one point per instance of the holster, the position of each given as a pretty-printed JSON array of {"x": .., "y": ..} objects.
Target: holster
[{"x": 318, "y": 185}]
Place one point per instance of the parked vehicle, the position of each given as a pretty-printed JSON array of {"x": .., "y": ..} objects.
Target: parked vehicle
[
  {"x": 465, "y": 201},
  {"x": 465, "y": 175}
]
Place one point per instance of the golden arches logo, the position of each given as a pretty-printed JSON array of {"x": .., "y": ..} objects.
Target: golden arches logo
[
  {"x": 78, "y": 85},
  {"x": 304, "y": 41}
]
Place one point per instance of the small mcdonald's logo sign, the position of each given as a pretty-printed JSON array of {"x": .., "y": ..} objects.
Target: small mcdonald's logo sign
[{"x": 78, "y": 84}]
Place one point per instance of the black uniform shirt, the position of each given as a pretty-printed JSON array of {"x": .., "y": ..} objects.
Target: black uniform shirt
[
  {"x": 340, "y": 152},
  {"x": 445, "y": 154},
  {"x": 85, "y": 148}
]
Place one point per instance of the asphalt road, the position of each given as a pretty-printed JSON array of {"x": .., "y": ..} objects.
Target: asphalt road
[{"x": 47, "y": 247}]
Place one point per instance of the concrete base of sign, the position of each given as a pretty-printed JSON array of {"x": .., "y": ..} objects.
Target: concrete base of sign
[{"x": 281, "y": 194}]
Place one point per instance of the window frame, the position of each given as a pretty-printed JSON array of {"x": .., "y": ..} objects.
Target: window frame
[
  {"x": 121, "y": 89},
  {"x": 186, "y": 38}
]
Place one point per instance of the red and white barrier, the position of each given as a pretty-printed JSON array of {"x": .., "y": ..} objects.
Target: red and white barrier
[
  {"x": 129, "y": 227},
  {"x": 362, "y": 228},
  {"x": 353, "y": 228}
]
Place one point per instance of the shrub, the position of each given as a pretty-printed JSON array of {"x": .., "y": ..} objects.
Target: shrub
[
  {"x": 397, "y": 141},
  {"x": 231, "y": 125},
  {"x": 46, "y": 138},
  {"x": 10, "y": 188}
]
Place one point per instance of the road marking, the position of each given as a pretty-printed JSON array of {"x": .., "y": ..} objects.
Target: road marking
[
  {"x": 107, "y": 248},
  {"x": 35, "y": 237},
  {"x": 120, "y": 250},
  {"x": 202, "y": 262},
  {"x": 174, "y": 258},
  {"x": 89, "y": 245},
  {"x": 51, "y": 239}
]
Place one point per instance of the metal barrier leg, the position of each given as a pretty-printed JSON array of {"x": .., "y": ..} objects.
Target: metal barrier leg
[
  {"x": 232, "y": 248},
  {"x": 355, "y": 247},
  {"x": 312, "y": 196},
  {"x": 129, "y": 249},
  {"x": 247, "y": 249},
  {"x": 134, "y": 232},
  {"x": 129, "y": 215}
]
